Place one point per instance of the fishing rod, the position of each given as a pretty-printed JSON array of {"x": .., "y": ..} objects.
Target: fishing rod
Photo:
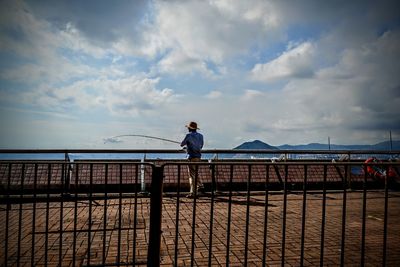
[{"x": 114, "y": 139}]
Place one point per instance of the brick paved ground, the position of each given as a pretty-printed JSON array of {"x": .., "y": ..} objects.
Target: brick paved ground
[
  {"x": 27, "y": 224},
  {"x": 333, "y": 222}
]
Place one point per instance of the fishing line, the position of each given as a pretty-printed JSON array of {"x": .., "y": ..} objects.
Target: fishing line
[{"x": 114, "y": 138}]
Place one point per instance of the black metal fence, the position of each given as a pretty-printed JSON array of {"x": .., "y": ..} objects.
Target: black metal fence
[{"x": 259, "y": 213}]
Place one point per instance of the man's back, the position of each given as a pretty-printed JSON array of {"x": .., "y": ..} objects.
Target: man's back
[{"x": 194, "y": 142}]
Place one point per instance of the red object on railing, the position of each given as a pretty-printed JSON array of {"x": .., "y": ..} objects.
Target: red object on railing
[{"x": 378, "y": 171}]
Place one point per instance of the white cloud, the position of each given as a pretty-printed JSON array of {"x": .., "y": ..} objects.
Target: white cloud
[
  {"x": 294, "y": 63},
  {"x": 40, "y": 47},
  {"x": 189, "y": 33},
  {"x": 97, "y": 21},
  {"x": 251, "y": 94},
  {"x": 178, "y": 63},
  {"x": 130, "y": 96},
  {"x": 133, "y": 96},
  {"x": 214, "y": 94},
  {"x": 360, "y": 95},
  {"x": 72, "y": 39}
]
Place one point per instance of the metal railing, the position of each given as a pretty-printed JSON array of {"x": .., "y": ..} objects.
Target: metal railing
[{"x": 258, "y": 212}]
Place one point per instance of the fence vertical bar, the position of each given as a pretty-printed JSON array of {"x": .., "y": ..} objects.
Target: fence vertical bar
[
  {"x": 364, "y": 213},
  {"x": 119, "y": 214},
  {"x": 344, "y": 205},
  {"x": 7, "y": 215},
  {"x": 303, "y": 218},
  {"x": 213, "y": 188},
  {"x": 153, "y": 254},
  {"x": 75, "y": 215},
  {"x": 228, "y": 234},
  {"x": 321, "y": 259},
  {"x": 89, "y": 245},
  {"x": 46, "y": 245},
  {"x": 194, "y": 217},
  {"x": 246, "y": 235},
  {"x": 177, "y": 216},
  {"x": 35, "y": 176},
  {"x": 63, "y": 167},
  {"x": 105, "y": 213},
  {"x": 20, "y": 215},
  {"x": 284, "y": 216},
  {"x": 135, "y": 214},
  {"x": 264, "y": 258},
  {"x": 385, "y": 220}
]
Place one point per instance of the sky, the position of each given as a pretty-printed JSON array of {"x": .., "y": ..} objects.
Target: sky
[{"x": 74, "y": 73}]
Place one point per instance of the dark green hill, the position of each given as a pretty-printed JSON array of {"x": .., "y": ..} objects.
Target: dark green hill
[{"x": 256, "y": 144}]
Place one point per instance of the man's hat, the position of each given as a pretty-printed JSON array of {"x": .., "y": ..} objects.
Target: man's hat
[{"x": 192, "y": 125}]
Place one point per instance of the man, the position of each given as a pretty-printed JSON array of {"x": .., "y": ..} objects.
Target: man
[{"x": 194, "y": 143}]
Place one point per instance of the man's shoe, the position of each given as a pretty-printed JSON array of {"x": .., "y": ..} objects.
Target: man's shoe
[
  {"x": 190, "y": 195},
  {"x": 201, "y": 189},
  {"x": 200, "y": 193}
]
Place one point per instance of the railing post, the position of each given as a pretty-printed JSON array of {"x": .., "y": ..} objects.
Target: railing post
[
  {"x": 153, "y": 253},
  {"x": 66, "y": 176}
]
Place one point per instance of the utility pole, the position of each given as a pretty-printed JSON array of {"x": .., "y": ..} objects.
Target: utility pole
[{"x": 329, "y": 142}]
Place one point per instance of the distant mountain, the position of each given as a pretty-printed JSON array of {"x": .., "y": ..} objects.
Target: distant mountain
[
  {"x": 257, "y": 144},
  {"x": 311, "y": 146},
  {"x": 317, "y": 146},
  {"x": 386, "y": 145}
]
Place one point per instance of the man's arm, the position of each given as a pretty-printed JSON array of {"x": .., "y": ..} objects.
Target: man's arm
[
  {"x": 184, "y": 142},
  {"x": 202, "y": 142}
]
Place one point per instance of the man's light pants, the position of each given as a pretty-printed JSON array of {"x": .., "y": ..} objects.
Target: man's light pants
[{"x": 193, "y": 172}]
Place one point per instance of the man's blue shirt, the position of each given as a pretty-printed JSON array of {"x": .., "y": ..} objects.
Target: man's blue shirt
[{"x": 194, "y": 143}]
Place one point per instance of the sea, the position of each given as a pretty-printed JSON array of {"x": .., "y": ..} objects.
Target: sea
[{"x": 88, "y": 156}]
